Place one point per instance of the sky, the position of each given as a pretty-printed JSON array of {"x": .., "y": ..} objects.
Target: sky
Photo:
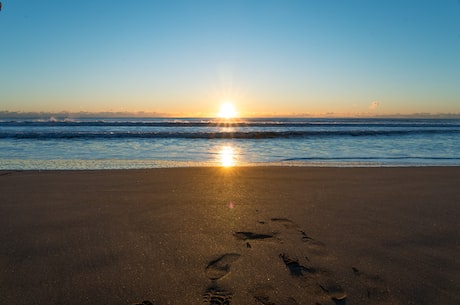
[{"x": 270, "y": 58}]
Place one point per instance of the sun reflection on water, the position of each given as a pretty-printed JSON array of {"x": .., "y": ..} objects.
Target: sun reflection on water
[{"x": 227, "y": 156}]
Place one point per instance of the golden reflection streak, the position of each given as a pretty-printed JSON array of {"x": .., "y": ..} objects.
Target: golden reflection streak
[{"x": 227, "y": 156}]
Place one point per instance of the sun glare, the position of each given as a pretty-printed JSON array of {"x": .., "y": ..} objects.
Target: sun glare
[
  {"x": 227, "y": 111},
  {"x": 227, "y": 156}
]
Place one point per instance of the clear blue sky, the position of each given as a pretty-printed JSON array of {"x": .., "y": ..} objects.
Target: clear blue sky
[{"x": 269, "y": 57}]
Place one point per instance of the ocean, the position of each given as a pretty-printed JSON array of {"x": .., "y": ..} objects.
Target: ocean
[{"x": 125, "y": 143}]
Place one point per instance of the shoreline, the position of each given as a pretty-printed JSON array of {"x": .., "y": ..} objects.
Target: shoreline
[
  {"x": 241, "y": 235},
  {"x": 96, "y": 165}
]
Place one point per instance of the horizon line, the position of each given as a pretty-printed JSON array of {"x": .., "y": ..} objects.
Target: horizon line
[{"x": 152, "y": 114}]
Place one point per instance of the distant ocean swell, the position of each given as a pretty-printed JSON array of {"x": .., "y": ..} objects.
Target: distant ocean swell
[{"x": 43, "y": 135}]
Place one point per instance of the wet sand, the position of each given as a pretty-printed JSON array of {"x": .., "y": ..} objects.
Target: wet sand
[{"x": 262, "y": 235}]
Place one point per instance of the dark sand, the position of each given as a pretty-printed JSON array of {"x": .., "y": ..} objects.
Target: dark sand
[{"x": 231, "y": 236}]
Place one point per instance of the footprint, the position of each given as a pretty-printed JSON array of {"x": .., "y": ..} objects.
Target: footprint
[
  {"x": 252, "y": 236},
  {"x": 263, "y": 299},
  {"x": 314, "y": 247},
  {"x": 305, "y": 237},
  {"x": 144, "y": 303},
  {"x": 220, "y": 266},
  {"x": 334, "y": 291},
  {"x": 328, "y": 286},
  {"x": 215, "y": 295},
  {"x": 266, "y": 295},
  {"x": 294, "y": 267},
  {"x": 291, "y": 301},
  {"x": 374, "y": 285},
  {"x": 289, "y": 224}
]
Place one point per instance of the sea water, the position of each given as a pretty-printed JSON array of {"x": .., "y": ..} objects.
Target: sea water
[{"x": 120, "y": 143}]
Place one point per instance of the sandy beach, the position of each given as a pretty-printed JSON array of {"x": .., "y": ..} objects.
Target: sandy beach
[{"x": 256, "y": 235}]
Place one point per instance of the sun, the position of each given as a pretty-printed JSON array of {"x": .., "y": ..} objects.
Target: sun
[{"x": 227, "y": 111}]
